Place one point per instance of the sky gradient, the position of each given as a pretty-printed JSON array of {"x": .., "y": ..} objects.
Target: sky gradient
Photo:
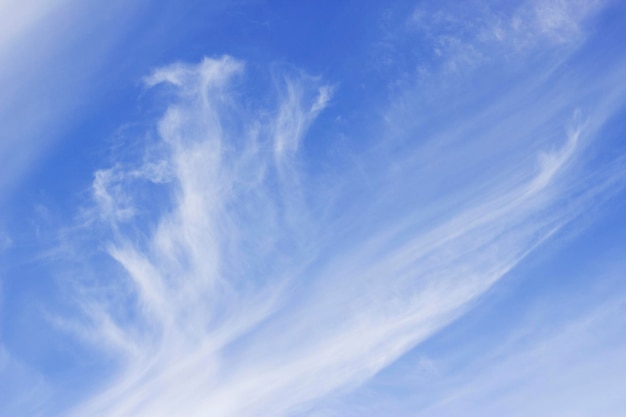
[{"x": 315, "y": 208}]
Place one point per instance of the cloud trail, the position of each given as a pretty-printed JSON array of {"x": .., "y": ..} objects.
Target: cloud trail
[
  {"x": 549, "y": 350},
  {"x": 552, "y": 368},
  {"x": 249, "y": 294}
]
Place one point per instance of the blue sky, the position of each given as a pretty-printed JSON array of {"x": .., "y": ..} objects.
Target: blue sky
[{"x": 331, "y": 208}]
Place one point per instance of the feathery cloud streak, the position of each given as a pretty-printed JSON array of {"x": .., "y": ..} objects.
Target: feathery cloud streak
[{"x": 254, "y": 296}]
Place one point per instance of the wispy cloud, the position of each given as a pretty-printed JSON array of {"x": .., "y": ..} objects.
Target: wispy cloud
[
  {"x": 18, "y": 17},
  {"x": 292, "y": 122},
  {"x": 546, "y": 347},
  {"x": 470, "y": 35},
  {"x": 408, "y": 209},
  {"x": 551, "y": 358},
  {"x": 25, "y": 391},
  {"x": 38, "y": 103},
  {"x": 553, "y": 371},
  {"x": 253, "y": 295}
]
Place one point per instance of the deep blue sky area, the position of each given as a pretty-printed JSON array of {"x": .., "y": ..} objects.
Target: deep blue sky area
[{"x": 312, "y": 208}]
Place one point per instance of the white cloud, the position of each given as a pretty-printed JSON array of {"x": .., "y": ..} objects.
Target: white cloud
[
  {"x": 19, "y": 25},
  {"x": 17, "y": 17},
  {"x": 467, "y": 36},
  {"x": 298, "y": 109},
  {"x": 552, "y": 362},
  {"x": 253, "y": 298},
  {"x": 559, "y": 345},
  {"x": 48, "y": 70},
  {"x": 561, "y": 20},
  {"x": 24, "y": 390}
]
